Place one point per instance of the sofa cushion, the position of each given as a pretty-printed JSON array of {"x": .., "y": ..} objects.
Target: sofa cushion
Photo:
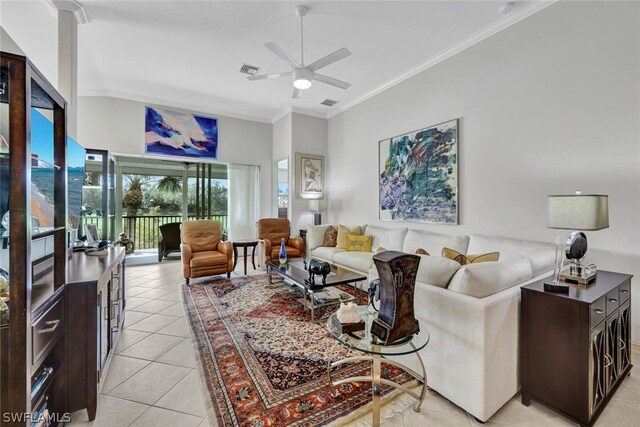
[
  {"x": 343, "y": 232},
  {"x": 541, "y": 255},
  {"x": 487, "y": 278},
  {"x": 315, "y": 235},
  {"x": 330, "y": 237},
  {"x": 389, "y": 238},
  {"x": 207, "y": 259},
  {"x": 469, "y": 259},
  {"x": 358, "y": 243},
  {"x": 359, "y": 261},
  {"x": 433, "y": 242},
  {"x": 436, "y": 271},
  {"x": 325, "y": 253}
]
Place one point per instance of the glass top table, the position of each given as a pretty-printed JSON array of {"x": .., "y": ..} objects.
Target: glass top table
[
  {"x": 294, "y": 270},
  {"x": 365, "y": 342}
]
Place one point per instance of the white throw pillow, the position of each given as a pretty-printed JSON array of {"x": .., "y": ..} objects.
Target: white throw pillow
[
  {"x": 436, "y": 271},
  {"x": 315, "y": 235},
  {"x": 433, "y": 242},
  {"x": 487, "y": 278},
  {"x": 389, "y": 238}
]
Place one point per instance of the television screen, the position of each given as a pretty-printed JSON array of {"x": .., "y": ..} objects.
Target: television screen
[{"x": 43, "y": 173}]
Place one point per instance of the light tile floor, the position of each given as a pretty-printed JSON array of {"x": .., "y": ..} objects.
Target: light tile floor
[{"x": 153, "y": 378}]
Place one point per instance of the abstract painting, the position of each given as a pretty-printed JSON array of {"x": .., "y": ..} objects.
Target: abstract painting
[
  {"x": 172, "y": 133},
  {"x": 418, "y": 174},
  {"x": 310, "y": 176}
]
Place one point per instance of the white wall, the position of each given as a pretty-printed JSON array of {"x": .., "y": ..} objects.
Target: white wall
[
  {"x": 118, "y": 125},
  {"x": 308, "y": 135},
  {"x": 548, "y": 106}
]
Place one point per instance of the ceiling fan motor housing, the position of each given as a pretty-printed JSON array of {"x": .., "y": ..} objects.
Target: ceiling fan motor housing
[{"x": 302, "y": 78}]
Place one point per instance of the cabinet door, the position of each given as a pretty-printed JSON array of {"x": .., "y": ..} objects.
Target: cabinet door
[
  {"x": 612, "y": 354},
  {"x": 103, "y": 329},
  {"x": 624, "y": 337},
  {"x": 597, "y": 362}
]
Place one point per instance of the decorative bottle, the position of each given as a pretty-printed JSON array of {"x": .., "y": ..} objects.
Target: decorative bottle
[{"x": 283, "y": 253}]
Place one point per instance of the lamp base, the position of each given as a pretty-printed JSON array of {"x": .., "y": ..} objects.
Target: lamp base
[{"x": 579, "y": 275}]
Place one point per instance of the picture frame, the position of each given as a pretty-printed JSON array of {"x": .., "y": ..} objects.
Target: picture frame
[
  {"x": 182, "y": 134},
  {"x": 91, "y": 231},
  {"x": 309, "y": 176},
  {"x": 418, "y": 175}
]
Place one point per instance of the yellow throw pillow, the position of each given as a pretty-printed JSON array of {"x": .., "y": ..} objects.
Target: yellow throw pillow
[
  {"x": 358, "y": 243},
  {"x": 469, "y": 259},
  {"x": 342, "y": 235}
]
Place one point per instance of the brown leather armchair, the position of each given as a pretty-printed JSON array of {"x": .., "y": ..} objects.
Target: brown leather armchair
[
  {"x": 203, "y": 252},
  {"x": 272, "y": 230}
]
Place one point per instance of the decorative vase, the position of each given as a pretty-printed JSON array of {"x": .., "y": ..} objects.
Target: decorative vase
[
  {"x": 283, "y": 253},
  {"x": 559, "y": 260}
]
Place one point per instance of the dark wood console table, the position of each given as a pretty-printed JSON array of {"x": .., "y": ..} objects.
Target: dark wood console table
[
  {"x": 95, "y": 288},
  {"x": 576, "y": 347}
]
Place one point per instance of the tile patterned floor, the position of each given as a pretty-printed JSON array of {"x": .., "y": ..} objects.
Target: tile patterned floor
[{"x": 153, "y": 380}]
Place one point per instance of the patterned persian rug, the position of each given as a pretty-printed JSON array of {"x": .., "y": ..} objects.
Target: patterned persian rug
[{"x": 263, "y": 362}]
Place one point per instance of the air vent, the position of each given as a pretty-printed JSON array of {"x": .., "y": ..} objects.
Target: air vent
[
  {"x": 252, "y": 70},
  {"x": 329, "y": 102}
]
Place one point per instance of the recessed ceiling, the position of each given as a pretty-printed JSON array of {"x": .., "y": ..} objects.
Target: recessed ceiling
[{"x": 188, "y": 53}]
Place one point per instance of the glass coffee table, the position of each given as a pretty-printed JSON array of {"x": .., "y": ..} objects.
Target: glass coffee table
[
  {"x": 364, "y": 342},
  {"x": 294, "y": 272}
]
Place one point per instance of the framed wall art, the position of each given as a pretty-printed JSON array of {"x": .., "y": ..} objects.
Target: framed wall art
[
  {"x": 309, "y": 176},
  {"x": 174, "y": 133},
  {"x": 418, "y": 175}
]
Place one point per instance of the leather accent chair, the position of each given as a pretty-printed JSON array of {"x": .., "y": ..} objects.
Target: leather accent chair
[
  {"x": 271, "y": 231},
  {"x": 203, "y": 251},
  {"x": 169, "y": 240}
]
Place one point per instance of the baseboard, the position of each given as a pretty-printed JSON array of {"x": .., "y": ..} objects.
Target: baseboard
[{"x": 635, "y": 347}]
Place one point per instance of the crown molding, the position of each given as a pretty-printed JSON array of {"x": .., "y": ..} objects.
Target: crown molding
[
  {"x": 170, "y": 104},
  {"x": 282, "y": 114},
  {"x": 512, "y": 18},
  {"x": 75, "y": 7}
]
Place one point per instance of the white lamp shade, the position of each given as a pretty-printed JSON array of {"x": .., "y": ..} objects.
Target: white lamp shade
[
  {"x": 578, "y": 212},
  {"x": 317, "y": 205}
]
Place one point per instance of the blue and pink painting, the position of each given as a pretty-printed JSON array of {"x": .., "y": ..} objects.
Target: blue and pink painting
[
  {"x": 172, "y": 133},
  {"x": 418, "y": 174}
]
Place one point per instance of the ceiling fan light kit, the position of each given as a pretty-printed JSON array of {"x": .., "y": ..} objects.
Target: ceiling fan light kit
[{"x": 303, "y": 75}]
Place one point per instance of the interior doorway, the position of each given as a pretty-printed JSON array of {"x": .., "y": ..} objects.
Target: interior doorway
[{"x": 282, "y": 188}]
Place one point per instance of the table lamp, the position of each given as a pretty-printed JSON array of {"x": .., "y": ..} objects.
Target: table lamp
[
  {"x": 316, "y": 206},
  {"x": 578, "y": 212}
]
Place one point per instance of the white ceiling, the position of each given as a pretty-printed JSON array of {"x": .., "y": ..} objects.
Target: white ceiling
[{"x": 188, "y": 53}]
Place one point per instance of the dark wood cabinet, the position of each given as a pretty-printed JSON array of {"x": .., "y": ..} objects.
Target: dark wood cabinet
[
  {"x": 576, "y": 346},
  {"x": 96, "y": 287}
]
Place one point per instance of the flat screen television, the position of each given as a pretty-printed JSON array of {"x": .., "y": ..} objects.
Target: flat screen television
[{"x": 42, "y": 174}]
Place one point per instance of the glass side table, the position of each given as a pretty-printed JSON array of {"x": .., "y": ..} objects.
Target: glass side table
[{"x": 364, "y": 342}]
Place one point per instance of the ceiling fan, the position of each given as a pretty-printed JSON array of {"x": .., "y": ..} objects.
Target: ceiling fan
[{"x": 304, "y": 74}]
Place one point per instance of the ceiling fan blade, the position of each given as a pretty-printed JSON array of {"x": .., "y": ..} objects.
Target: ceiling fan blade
[
  {"x": 296, "y": 93},
  {"x": 273, "y": 47},
  {"x": 270, "y": 76},
  {"x": 329, "y": 59},
  {"x": 331, "y": 81}
]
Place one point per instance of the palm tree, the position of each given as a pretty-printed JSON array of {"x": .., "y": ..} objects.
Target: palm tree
[
  {"x": 133, "y": 195},
  {"x": 170, "y": 185}
]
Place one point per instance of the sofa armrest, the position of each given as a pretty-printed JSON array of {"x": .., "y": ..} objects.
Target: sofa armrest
[
  {"x": 186, "y": 254},
  {"x": 298, "y": 243},
  {"x": 267, "y": 250},
  {"x": 227, "y": 249}
]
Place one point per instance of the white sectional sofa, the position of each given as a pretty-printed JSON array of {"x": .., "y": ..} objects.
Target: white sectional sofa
[{"x": 472, "y": 312}]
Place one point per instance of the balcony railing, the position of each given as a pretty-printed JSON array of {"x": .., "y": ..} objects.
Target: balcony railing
[{"x": 144, "y": 230}]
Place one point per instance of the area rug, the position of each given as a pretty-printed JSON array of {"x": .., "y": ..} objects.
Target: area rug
[{"x": 264, "y": 362}]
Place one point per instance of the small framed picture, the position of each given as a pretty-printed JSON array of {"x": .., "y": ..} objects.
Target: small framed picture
[
  {"x": 310, "y": 176},
  {"x": 91, "y": 230}
]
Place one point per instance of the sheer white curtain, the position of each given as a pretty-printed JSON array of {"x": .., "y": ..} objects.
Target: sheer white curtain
[{"x": 244, "y": 201}]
